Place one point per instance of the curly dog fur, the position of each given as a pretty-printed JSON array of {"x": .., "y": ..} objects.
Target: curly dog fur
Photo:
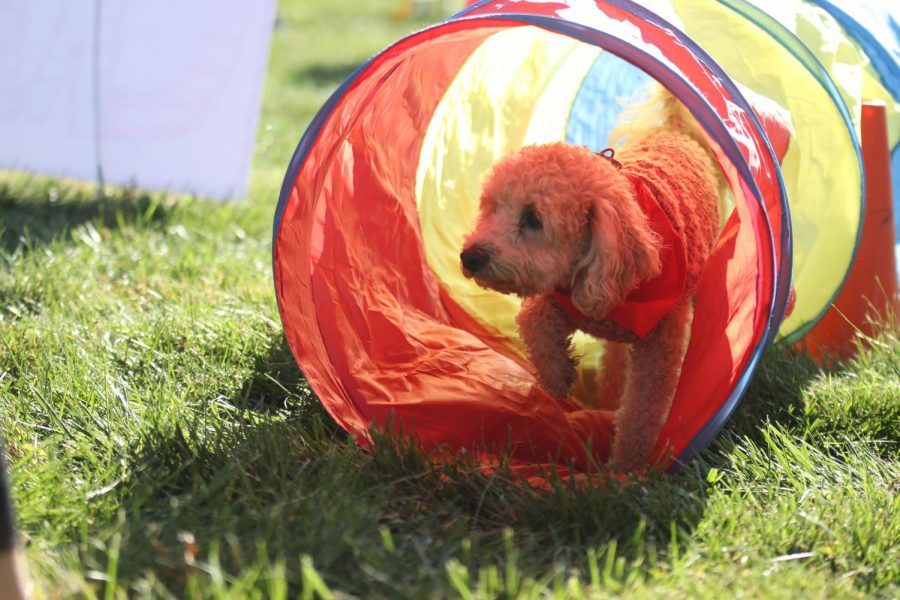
[{"x": 559, "y": 217}]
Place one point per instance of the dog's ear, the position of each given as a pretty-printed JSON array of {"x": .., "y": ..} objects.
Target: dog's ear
[{"x": 623, "y": 251}]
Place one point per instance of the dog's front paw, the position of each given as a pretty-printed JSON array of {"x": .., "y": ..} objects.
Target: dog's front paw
[{"x": 557, "y": 381}]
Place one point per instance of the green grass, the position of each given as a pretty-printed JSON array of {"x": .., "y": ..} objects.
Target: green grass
[{"x": 164, "y": 443}]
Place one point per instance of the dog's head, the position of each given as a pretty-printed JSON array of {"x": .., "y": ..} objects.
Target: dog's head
[{"x": 558, "y": 217}]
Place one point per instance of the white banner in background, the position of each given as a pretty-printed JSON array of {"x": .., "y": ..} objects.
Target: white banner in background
[{"x": 164, "y": 94}]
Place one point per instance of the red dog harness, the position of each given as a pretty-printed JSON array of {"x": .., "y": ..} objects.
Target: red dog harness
[{"x": 645, "y": 306}]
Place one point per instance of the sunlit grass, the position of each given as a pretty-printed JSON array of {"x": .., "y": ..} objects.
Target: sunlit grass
[{"x": 164, "y": 443}]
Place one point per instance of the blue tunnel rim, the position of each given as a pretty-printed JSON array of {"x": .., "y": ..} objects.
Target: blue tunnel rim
[{"x": 660, "y": 72}]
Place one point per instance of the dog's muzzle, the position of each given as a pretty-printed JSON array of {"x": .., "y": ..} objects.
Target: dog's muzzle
[{"x": 475, "y": 258}]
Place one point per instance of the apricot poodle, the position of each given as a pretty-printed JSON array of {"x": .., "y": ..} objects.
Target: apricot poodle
[{"x": 610, "y": 245}]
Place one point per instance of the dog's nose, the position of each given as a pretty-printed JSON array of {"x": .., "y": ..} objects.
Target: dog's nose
[{"x": 475, "y": 258}]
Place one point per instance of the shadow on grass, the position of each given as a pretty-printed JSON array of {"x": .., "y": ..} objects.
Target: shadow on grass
[
  {"x": 271, "y": 485},
  {"x": 383, "y": 524},
  {"x": 272, "y": 479},
  {"x": 37, "y": 210},
  {"x": 252, "y": 469},
  {"x": 277, "y": 384},
  {"x": 776, "y": 393}
]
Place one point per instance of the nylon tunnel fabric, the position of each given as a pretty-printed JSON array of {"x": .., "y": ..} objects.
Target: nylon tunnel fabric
[
  {"x": 379, "y": 333},
  {"x": 386, "y": 181},
  {"x": 688, "y": 415},
  {"x": 371, "y": 328},
  {"x": 874, "y": 28},
  {"x": 822, "y": 163},
  {"x": 821, "y": 170}
]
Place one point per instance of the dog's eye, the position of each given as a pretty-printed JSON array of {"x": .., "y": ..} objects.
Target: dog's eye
[{"x": 530, "y": 221}]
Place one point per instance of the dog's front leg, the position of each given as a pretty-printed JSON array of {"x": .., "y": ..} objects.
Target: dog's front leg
[
  {"x": 649, "y": 390},
  {"x": 546, "y": 331},
  {"x": 613, "y": 369}
]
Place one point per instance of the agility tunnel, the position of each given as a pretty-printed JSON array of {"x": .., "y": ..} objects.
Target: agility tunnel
[{"x": 386, "y": 181}]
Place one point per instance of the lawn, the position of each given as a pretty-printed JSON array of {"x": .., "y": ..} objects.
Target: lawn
[{"x": 163, "y": 442}]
